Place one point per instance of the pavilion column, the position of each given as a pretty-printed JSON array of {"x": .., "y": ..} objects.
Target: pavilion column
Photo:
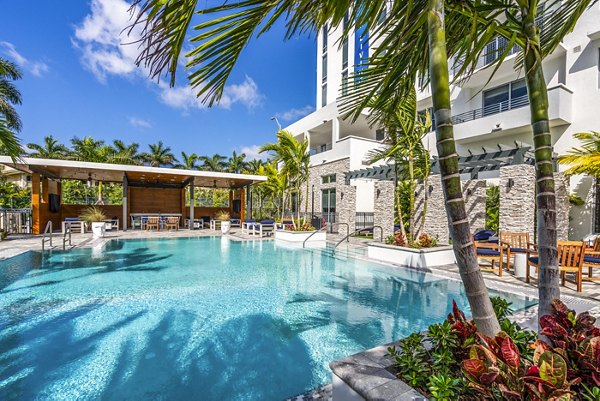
[
  {"x": 249, "y": 201},
  {"x": 242, "y": 204},
  {"x": 35, "y": 203},
  {"x": 192, "y": 205},
  {"x": 125, "y": 202},
  {"x": 335, "y": 130}
]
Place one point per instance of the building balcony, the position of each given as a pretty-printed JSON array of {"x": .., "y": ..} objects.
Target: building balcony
[
  {"x": 511, "y": 116},
  {"x": 352, "y": 147}
]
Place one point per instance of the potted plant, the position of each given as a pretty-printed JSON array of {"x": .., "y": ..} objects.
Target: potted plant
[
  {"x": 95, "y": 216},
  {"x": 223, "y": 217}
]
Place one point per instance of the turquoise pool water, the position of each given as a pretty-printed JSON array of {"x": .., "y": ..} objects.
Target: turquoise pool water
[{"x": 199, "y": 319}]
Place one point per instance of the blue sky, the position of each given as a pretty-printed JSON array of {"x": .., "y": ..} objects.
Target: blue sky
[{"x": 79, "y": 81}]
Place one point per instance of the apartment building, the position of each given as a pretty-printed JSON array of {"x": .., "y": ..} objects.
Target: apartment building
[{"x": 488, "y": 114}]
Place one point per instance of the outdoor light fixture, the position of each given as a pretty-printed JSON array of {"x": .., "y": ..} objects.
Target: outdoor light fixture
[
  {"x": 511, "y": 183},
  {"x": 469, "y": 192},
  {"x": 430, "y": 188},
  {"x": 378, "y": 192}
]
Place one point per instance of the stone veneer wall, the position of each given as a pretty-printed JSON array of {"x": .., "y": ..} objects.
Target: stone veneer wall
[
  {"x": 436, "y": 219},
  {"x": 474, "y": 196},
  {"x": 561, "y": 185},
  {"x": 517, "y": 204},
  {"x": 384, "y": 208},
  {"x": 346, "y": 208}
]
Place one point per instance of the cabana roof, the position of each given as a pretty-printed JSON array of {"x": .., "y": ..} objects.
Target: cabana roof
[{"x": 141, "y": 176}]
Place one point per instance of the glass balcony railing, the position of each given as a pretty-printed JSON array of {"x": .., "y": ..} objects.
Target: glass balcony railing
[
  {"x": 496, "y": 108},
  {"x": 320, "y": 149}
]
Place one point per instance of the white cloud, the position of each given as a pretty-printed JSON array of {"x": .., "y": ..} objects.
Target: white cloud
[
  {"x": 294, "y": 114},
  {"x": 139, "y": 122},
  {"x": 253, "y": 152},
  {"x": 109, "y": 47},
  {"x": 37, "y": 68}
]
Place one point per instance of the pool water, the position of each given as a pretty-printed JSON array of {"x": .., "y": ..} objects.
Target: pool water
[{"x": 199, "y": 319}]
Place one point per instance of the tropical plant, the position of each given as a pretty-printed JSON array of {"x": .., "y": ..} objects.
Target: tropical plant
[
  {"x": 215, "y": 162},
  {"x": 492, "y": 207},
  {"x": 237, "y": 163},
  {"x": 89, "y": 150},
  {"x": 188, "y": 162},
  {"x": 92, "y": 214},
  {"x": 9, "y": 142},
  {"x": 9, "y": 94},
  {"x": 13, "y": 196},
  {"x": 50, "y": 149},
  {"x": 159, "y": 155},
  {"x": 404, "y": 34},
  {"x": 275, "y": 187},
  {"x": 121, "y": 153},
  {"x": 223, "y": 215},
  {"x": 586, "y": 159}
]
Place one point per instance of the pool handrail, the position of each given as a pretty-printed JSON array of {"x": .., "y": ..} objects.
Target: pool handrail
[
  {"x": 67, "y": 231},
  {"x": 313, "y": 233},
  {"x": 47, "y": 232}
]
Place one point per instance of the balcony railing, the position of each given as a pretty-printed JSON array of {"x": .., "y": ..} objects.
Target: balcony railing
[
  {"x": 511, "y": 104},
  {"x": 320, "y": 149}
]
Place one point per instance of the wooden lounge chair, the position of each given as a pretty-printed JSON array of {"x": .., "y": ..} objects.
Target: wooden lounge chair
[
  {"x": 514, "y": 242},
  {"x": 153, "y": 223},
  {"x": 492, "y": 253},
  {"x": 172, "y": 223},
  {"x": 570, "y": 260},
  {"x": 591, "y": 260}
]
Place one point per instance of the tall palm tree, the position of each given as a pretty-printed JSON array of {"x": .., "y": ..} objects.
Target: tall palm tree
[
  {"x": 253, "y": 166},
  {"x": 237, "y": 163},
  {"x": 121, "y": 153},
  {"x": 188, "y": 162},
  {"x": 412, "y": 39},
  {"x": 50, "y": 149},
  {"x": 159, "y": 155},
  {"x": 586, "y": 159},
  {"x": 88, "y": 149},
  {"x": 275, "y": 186},
  {"x": 9, "y": 94},
  {"x": 215, "y": 162},
  {"x": 537, "y": 27}
]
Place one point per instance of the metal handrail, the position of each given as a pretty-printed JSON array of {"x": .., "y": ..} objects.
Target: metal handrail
[
  {"x": 347, "y": 237},
  {"x": 47, "y": 232},
  {"x": 346, "y": 224},
  {"x": 67, "y": 231},
  {"x": 307, "y": 238}
]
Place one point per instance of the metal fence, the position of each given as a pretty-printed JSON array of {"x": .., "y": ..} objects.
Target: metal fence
[
  {"x": 496, "y": 108},
  {"x": 16, "y": 221},
  {"x": 364, "y": 220}
]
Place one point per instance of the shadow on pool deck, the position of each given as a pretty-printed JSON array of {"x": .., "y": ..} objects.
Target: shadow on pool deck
[{"x": 254, "y": 357}]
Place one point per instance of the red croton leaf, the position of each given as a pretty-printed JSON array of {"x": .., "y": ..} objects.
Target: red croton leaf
[
  {"x": 474, "y": 367},
  {"x": 509, "y": 394},
  {"x": 510, "y": 353},
  {"x": 552, "y": 327},
  {"x": 489, "y": 377}
]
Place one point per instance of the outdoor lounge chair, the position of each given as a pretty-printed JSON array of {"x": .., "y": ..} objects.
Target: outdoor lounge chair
[
  {"x": 570, "y": 260},
  {"x": 172, "y": 223},
  {"x": 514, "y": 242},
  {"x": 591, "y": 260},
  {"x": 235, "y": 222},
  {"x": 247, "y": 226},
  {"x": 153, "y": 222},
  {"x": 492, "y": 253},
  {"x": 263, "y": 228}
]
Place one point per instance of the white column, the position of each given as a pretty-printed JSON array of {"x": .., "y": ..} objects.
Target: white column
[
  {"x": 192, "y": 205},
  {"x": 125, "y": 203},
  {"x": 335, "y": 131}
]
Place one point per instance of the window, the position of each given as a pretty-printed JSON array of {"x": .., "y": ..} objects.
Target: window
[
  {"x": 324, "y": 67},
  {"x": 328, "y": 179},
  {"x": 325, "y": 38},
  {"x": 344, "y": 83},
  {"x": 382, "y": 15},
  {"x": 324, "y": 95},
  {"x": 505, "y": 97},
  {"x": 379, "y": 134},
  {"x": 496, "y": 48},
  {"x": 328, "y": 205}
]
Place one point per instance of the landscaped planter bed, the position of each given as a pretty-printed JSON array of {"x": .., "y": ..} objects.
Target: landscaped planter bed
[
  {"x": 418, "y": 258},
  {"x": 300, "y": 236}
]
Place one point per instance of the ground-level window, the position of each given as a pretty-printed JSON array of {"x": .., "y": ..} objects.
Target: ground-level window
[{"x": 326, "y": 179}]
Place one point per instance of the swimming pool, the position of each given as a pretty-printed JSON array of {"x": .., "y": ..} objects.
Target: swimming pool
[{"x": 199, "y": 318}]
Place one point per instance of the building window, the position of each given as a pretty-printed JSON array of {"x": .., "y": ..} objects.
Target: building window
[
  {"x": 325, "y": 38},
  {"x": 379, "y": 134},
  {"x": 324, "y": 67},
  {"x": 328, "y": 179},
  {"x": 505, "y": 97},
  {"x": 324, "y": 95},
  {"x": 328, "y": 205},
  {"x": 382, "y": 15},
  {"x": 495, "y": 48}
]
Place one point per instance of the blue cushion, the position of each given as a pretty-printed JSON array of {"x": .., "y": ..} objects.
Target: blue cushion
[
  {"x": 249, "y": 221},
  {"x": 487, "y": 252},
  {"x": 518, "y": 250},
  {"x": 591, "y": 259},
  {"x": 483, "y": 235},
  {"x": 269, "y": 221},
  {"x": 72, "y": 219},
  {"x": 287, "y": 222},
  {"x": 534, "y": 259}
]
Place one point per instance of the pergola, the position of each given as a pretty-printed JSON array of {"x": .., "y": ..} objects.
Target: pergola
[
  {"x": 471, "y": 164},
  {"x": 145, "y": 189}
]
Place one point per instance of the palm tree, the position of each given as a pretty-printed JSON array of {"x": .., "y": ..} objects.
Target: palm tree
[
  {"x": 215, "y": 162},
  {"x": 50, "y": 149},
  {"x": 403, "y": 145},
  {"x": 9, "y": 94},
  {"x": 121, "y": 153},
  {"x": 159, "y": 156},
  {"x": 89, "y": 150},
  {"x": 520, "y": 23},
  {"x": 407, "y": 30},
  {"x": 584, "y": 160},
  {"x": 253, "y": 166},
  {"x": 275, "y": 186},
  {"x": 188, "y": 162},
  {"x": 237, "y": 163}
]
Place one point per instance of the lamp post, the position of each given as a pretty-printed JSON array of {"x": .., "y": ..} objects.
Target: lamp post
[
  {"x": 274, "y": 118},
  {"x": 312, "y": 207}
]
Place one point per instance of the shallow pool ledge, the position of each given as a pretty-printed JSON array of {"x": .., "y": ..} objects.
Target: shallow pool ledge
[{"x": 367, "y": 376}]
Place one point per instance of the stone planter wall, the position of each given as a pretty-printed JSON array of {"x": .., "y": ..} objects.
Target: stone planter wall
[
  {"x": 416, "y": 258},
  {"x": 300, "y": 236}
]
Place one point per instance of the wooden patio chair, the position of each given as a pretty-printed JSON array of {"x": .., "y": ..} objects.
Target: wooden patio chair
[
  {"x": 172, "y": 223},
  {"x": 591, "y": 260},
  {"x": 570, "y": 260},
  {"x": 514, "y": 242},
  {"x": 153, "y": 223},
  {"x": 490, "y": 252}
]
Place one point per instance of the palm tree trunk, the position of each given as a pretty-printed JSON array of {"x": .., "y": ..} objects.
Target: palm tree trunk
[
  {"x": 397, "y": 202},
  {"x": 464, "y": 250},
  {"x": 425, "y": 201},
  {"x": 548, "y": 285},
  {"x": 411, "y": 198}
]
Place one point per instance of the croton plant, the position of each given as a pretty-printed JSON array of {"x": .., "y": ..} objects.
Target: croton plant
[{"x": 452, "y": 361}]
